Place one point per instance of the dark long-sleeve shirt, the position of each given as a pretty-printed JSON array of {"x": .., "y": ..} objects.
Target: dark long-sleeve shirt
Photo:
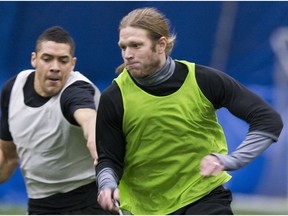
[{"x": 219, "y": 88}]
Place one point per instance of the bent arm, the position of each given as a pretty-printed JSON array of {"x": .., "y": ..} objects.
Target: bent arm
[
  {"x": 253, "y": 145},
  {"x": 9, "y": 160},
  {"x": 265, "y": 124},
  {"x": 86, "y": 118}
]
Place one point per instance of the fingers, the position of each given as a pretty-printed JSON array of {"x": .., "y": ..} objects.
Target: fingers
[
  {"x": 95, "y": 158},
  {"x": 116, "y": 197},
  {"x": 211, "y": 166},
  {"x": 116, "y": 202},
  {"x": 95, "y": 161},
  {"x": 116, "y": 194},
  {"x": 107, "y": 201},
  {"x": 93, "y": 154}
]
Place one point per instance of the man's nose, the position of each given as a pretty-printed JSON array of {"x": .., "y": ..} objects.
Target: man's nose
[
  {"x": 128, "y": 54},
  {"x": 55, "y": 66}
]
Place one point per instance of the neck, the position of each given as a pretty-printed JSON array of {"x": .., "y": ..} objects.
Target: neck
[{"x": 160, "y": 76}]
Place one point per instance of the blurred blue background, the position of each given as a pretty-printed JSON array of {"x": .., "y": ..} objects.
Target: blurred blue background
[{"x": 247, "y": 40}]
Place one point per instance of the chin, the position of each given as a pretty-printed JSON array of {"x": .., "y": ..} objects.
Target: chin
[
  {"x": 53, "y": 92},
  {"x": 139, "y": 76}
]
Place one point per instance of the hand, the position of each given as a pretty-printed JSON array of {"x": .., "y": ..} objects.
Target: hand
[
  {"x": 93, "y": 152},
  {"x": 107, "y": 200},
  {"x": 95, "y": 160},
  {"x": 211, "y": 166}
]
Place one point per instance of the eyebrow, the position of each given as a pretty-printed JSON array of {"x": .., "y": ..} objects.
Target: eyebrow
[{"x": 49, "y": 55}]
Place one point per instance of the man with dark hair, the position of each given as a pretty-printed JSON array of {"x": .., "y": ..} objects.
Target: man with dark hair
[
  {"x": 158, "y": 138},
  {"x": 48, "y": 127}
]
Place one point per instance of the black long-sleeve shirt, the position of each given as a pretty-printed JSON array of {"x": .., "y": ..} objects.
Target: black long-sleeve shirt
[{"x": 219, "y": 88}]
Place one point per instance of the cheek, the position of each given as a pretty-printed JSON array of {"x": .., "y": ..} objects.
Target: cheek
[
  {"x": 147, "y": 56},
  {"x": 66, "y": 75},
  {"x": 152, "y": 57},
  {"x": 41, "y": 66},
  {"x": 40, "y": 76},
  {"x": 66, "y": 69}
]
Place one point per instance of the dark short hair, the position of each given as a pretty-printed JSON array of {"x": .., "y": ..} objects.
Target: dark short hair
[{"x": 58, "y": 35}]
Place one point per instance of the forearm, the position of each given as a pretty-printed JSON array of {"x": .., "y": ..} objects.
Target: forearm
[
  {"x": 107, "y": 179},
  {"x": 108, "y": 191},
  {"x": 253, "y": 145},
  {"x": 8, "y": 164},
  {"x": 7, "y": 171},
  {"x": 86, "y": 118}
]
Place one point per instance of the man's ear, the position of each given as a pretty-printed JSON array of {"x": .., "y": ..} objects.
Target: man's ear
[
  {"x": 33, "y": 59},
  {"x": 74, "y": 60},
  {"x": 162, "y": 44}
]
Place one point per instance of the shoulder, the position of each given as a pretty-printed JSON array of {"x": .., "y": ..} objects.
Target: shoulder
[
  {"x": 79, "y": 86},
  {"x": 210, "y": 74},
  {"x": 111, "y": 99},
  {"x": 216, "y": 85},
  {"x": 8, "y": 85},
  {"x": 111, "y": 92},
  {"x": 211, "y": 78}
]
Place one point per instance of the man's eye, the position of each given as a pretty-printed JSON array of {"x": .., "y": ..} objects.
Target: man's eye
[
  {"x": 46, "y": 59},
  {"x": 64, "y": 61}
]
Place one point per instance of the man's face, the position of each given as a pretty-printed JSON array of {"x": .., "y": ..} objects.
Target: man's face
[
  {"x": 142, "y": 58},
  {"x": 53, "y": 64}
]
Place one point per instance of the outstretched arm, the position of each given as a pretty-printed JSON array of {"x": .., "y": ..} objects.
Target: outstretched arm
[
  {"x": 86, "y": 118},
  {"x": 9, "y": 160}
]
